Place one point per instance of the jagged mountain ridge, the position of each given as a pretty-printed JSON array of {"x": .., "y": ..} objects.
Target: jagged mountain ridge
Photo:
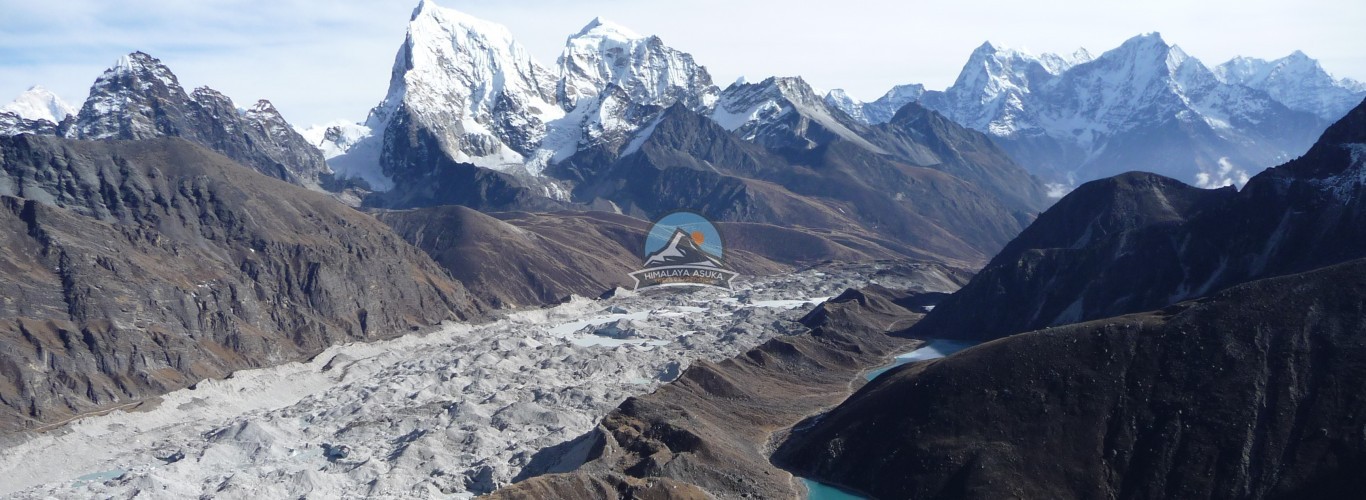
[
  {"x": 140, "y": 98},
  {"x": 879, "y": 111},
  {"x": 1145, "y": 105},
  {"x": 1297, "y": 81},
  {"x": 615, "y": 89},
  {"x": 607, "y": 83}
]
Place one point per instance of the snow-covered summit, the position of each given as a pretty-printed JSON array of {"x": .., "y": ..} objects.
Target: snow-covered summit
[
  {"x": 473, "y": 86},
  {"x": 650, "y": 72},
  {"x": 121, "y": 101},
  {"x": 140, "y": 98},
  {"x": 38, "y": 103},
  {"x": 1145, "y": 105},
  {"x": 1296, "y": 80},
  {"x": 465, "y": 89},
  {"x": 991, "y": 91},
  {"x": 600, "y": 26},
  {"x": 879, "y": 111},
  {"x": 785, "y": 112}
]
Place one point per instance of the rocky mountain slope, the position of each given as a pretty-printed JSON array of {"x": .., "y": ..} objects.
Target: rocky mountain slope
[
  {"x": 512, "y": 259},
  {"x": 1226, "y": 379},
  {"x": 133, "y": 268},
  {"x": 688, "y": 160},
  {"x": 1246, "y": 393},
  {"x": 1140, "y": 242}
]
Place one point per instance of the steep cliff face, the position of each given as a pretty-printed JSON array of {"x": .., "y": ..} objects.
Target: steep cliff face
[
  {"x": 138, "y": 267},
  {"x": 1248, "y": 393}
]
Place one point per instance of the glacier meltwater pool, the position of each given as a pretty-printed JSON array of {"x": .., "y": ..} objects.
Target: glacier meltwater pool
[
  {"x": 933, "y": 349},
  {"x": 821, "y": 491}
]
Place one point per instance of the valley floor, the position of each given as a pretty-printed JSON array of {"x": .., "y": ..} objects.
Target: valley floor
[{"x": 460, "y": 411}]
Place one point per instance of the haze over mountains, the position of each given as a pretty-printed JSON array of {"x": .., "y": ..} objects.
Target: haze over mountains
[{"x": 1165, "y": 312}]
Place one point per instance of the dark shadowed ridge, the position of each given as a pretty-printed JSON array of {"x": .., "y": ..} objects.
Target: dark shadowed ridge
[{"x": 1249, "y": 393}]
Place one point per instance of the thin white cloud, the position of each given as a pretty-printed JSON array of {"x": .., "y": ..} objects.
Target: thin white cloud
[{"x": 1227, "y": 174}]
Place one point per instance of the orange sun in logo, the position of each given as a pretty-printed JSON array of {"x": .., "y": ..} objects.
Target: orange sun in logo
[{"x": 698, "y": 237}]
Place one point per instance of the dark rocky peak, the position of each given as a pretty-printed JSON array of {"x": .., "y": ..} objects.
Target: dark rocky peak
[
  {"x": 1114, "y": 205},
  {"x": 680, "y": 136},
  {"x": 1351, "y": 129},
  {"x": 137, "y": 98},
  {"x": 926, "y": 138},
  {"x": 142, "y": 69},
  {"x": 264, "y": 115},
  {"x": 140, "y": 98}
]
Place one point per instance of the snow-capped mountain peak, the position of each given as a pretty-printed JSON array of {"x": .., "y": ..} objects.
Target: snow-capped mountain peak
[
  {"x": 991, "y": 92},
  {"x": 785, "y": 112},
  {"x": 1296, "y": 80},
  {"x": 600, "y": 26},
  {"x": 38, "y": 103},
  {"x": 880, "y": 111},
  {"x": 143, "y": 66},
  {"x": 1139, "y": 106},
  {"x": 650, "y": 72},
  {"x": 472, "y": 85},
  {"x": 121, "y": 100}
]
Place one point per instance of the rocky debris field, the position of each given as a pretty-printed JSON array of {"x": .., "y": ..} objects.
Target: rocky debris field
[{"x": 459, "y": 411}]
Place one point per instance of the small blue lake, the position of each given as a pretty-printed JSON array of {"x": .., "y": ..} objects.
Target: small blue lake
[
  {"x": 821, "y": 491},
  {"x": 932, "y": 349},
  {"x": 100, "y": 477},
  {"x": 937, "y": 348}
]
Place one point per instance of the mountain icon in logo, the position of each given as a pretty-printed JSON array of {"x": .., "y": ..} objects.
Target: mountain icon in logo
[{"x": 682, "y": 250}]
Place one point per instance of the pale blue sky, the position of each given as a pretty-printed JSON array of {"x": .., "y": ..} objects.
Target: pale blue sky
[{"x": 320, "y": 61}]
